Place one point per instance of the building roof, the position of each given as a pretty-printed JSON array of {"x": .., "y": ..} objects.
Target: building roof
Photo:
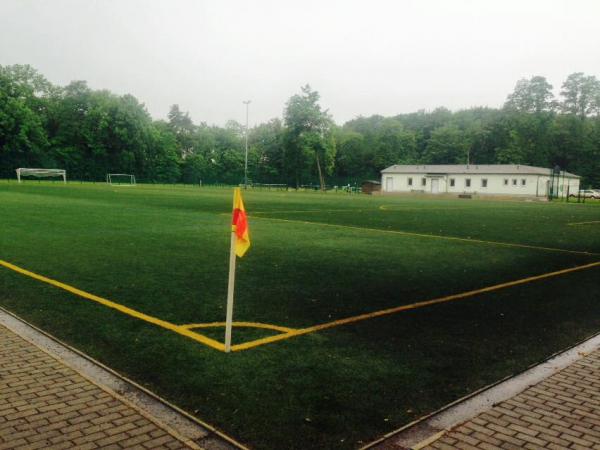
[{"x": 488, "y": 169}]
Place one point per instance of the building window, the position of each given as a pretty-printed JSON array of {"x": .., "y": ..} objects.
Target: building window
[
  {"x": 409, "y": 181},
  {"x": 484, "y": 182},
  {"x": 467, "y": 182},
  {"x": 506, "y": 182},
  {"x": 523, "y": 181},
  {"x": 514, "y": 181},
  {"x": 452, "y": 182},
  {"x": 423, "y": 181}
]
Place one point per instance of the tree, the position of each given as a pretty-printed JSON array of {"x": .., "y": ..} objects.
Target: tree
[
  {"x": 581, "y": 95},
  {"x": 531, "y": 96},
  {"x": 308, "y": 142},
  {"x": 66, "y": 116},
  {"x": 195, "y": 169},
  {"x": 568, "y": 137},
  {"x": 92, "y": 132},
  {"x": 447, "y": 145},
  {"x": 527, "y": 139},
  {"x": 588, "y": 163},
  {"x": 180, "y": 122},
  {"x": 230, "y": 166},
  {"x": 351, "y": 155},
  {"x": 265, "y": 154},
  {"x": 484, "y": 129},
  {"x": 422, "y": 124},
  {"x": 163, "y": 163},
  {"x": 182, "y": 126},
  {"x": 393, "y": 144},
  {"x": 23, "y": 137}
]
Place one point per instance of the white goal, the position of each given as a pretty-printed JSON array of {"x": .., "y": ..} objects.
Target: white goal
[
  {"x": 120, "y": 179},
  {"x": 41, "y": 173}
]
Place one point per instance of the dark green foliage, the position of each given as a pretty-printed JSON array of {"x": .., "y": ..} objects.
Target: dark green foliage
[
  {"x": 266, "y": 160},
  {"x": 307, "y": 140},
  {"x": 23, "y": 139},
  {"x": 531, "y": 96},
  {"x": 447, "y": 145},
  {"x": 581, "y": 95},
  {"x": 90, "y": 133}
]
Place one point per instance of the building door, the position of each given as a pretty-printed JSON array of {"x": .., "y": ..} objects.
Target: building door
[
  {"x": 389, "y": 184},
  {"x": 435, "y": 185}
]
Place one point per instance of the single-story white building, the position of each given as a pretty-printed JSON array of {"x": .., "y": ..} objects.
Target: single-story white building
[{"x": 484, "y": 179}]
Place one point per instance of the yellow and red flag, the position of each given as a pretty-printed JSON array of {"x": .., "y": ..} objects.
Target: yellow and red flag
[{"x": 239, "y": 224}]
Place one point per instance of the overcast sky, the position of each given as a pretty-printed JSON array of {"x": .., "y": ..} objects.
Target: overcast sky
[{"x": 364, "y": 57}]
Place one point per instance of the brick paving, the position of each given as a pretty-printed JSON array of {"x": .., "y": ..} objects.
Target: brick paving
[
  {"x": 561, "y": 412},
  {"x": 45, "y": 404}
]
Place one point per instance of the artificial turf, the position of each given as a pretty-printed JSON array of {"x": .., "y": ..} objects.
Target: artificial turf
[{"x": 315, "y": 258}]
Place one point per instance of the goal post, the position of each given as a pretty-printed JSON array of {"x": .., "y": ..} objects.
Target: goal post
[
  {"x": 120, "y": 179},
  {"x": 41, "y": 173}
]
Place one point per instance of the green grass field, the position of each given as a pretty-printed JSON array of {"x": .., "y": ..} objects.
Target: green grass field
[{"x": 315, "y": 258}]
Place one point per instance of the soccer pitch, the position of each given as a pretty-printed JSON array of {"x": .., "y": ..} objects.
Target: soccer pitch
[{"x": 355, "y": 314}]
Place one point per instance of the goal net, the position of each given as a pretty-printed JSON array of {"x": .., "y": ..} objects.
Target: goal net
[
  {"x": 120, "y": 179},
  {"x": 41, "y": 173}
]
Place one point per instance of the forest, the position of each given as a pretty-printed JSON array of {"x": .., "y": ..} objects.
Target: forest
[{"x": 94, "y": 132}]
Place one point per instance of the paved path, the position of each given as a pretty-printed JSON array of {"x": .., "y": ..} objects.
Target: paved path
[
  {"x": 561, "y": 412},
  {"x": 45, "y": 404}
]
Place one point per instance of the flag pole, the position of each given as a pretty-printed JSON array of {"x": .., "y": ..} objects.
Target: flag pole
[
  {"x": 230, "y": 289},
  {"x": 240, "y": 242}
]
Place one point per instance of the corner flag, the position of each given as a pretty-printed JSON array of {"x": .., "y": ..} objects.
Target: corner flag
[
  {"x": 239, "y": 224},
  {"x": 240, "y": 242}
]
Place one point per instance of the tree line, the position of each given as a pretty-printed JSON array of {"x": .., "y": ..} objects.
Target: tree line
[{"x": 94, "y": 132}]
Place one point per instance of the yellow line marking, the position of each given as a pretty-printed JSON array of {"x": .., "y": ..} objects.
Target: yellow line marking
[
  {"x": 397, "y": 309},
  {"x": 432, "y": 236},
  {"x": 382, "y": 208},
  {"x": 264, "y": 326},
  {"x": 583, "y": 223},
  {"x": 123, "y": 309},
  {"x": 425, "y": 208},
  {"x": 307, "y": 211},
  {"x": 287, "y": 333}
]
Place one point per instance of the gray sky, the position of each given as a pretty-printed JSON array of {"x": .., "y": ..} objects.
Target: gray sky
[{"x": 364, "y": 57}]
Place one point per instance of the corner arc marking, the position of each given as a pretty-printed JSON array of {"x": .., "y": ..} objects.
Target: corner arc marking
[{"x": 264, "y": 326}]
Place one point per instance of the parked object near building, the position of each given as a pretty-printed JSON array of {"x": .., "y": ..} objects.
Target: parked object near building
[
  {"x": 481, "y": 179},
  {"x": 370, "y": 187},
  {"x": 588, "y": 193}
]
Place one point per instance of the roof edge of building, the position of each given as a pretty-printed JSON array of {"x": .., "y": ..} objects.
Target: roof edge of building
[{"x": 484, "y": 169}]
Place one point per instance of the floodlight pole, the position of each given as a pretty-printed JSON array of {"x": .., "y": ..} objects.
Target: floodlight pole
[{"x": 246, "y": 102}]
